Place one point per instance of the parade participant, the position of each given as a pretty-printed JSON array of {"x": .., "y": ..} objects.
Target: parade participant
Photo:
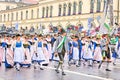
[
  {"x": 9, "y": 63},
  {"x": 19, "y": 56},
  {"x": 49, "y": 44},
  {"x": 80, "y": 49},
  {"x": 1, "y": 52},
  {"x": 38, "y": 56},
  {"x": 4, "y": 44},
  {"x": 61, "y": 47},
  {"x": 83, "y": 47},
  {"x": 70, "y": 60},
  {"x": 97, "y": 56},
  {"x": 75, "y": 51},
  {"x": 113, "y": 42},
  {"x": 87, "y": 56},
  {"x": 46, "y": 53},
  {"x": 105, "y": 51},
  {"x": 118, "y": 48},
  {"x": 32, "y": 42},
  {"x": 27, "y": 60}
]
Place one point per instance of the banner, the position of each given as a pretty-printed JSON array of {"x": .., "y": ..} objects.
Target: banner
[{"x": 16, "y": 26}]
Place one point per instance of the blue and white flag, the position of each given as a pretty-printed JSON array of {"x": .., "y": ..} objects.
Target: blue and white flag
[
  {"x": 89, "y": 25},
  {"x": 16, "y": 26},
  {"x": 89, "y": 22}
]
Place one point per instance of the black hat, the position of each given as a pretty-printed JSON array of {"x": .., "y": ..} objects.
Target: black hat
[
  {"x": 62, "y": 31},
  {"x": 18, "y": 35},
  {"x": 40, "y": 35}
]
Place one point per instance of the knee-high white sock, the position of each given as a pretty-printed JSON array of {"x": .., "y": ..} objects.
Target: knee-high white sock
[
  {"x": 107, "y": 66},
  {"x": 90, "y": 62}
]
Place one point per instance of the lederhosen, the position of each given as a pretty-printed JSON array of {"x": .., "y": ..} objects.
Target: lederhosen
[{"x": 106, "y": 53}]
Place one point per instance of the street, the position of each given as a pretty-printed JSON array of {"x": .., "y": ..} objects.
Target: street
[{"x": 72, "y": 73}]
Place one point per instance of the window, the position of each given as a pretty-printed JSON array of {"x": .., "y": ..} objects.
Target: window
[
  {"x": 47, "y": 10},
  {"x": 26, "y": 14},
  {"x": 21, "y": 15},
  {"x": 74, "y": 8},
  {"x": 69, "y": 8},
  {"x": 4, "y": 17},
  {"x": 60, "y": 9},
  {"x": 31, "y": 14},
  {"x": 105, "y": 1},
  {"x": 43, "y": 12},
  {"x": 98, "y": 5},
  {"x": 51, "y": 9},
  {"x": 64, "y": 9},
  {"x": 16, "y": 16},
  {"x": 7, "y": 7},
  {"x": 91, "y": 6},
  {"x": 12, "y": 16},
  {"x": 80, "y": 7},
  {"x": 37, "y": 13},
  {"x": 8, "y": 17}
]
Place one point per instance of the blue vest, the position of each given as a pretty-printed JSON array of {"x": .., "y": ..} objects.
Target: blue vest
[
  {"x": 75, "y": 44},
  {"x": 39, "y": 44},
  {"x": 19, "y": 44}
]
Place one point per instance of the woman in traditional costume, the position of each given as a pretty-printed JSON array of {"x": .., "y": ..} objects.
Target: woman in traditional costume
[
  {"x": 32, "y": 42},
  {"x": 4, "y": 44},
  {"x": 38, "y": 56},
  {"x": 97, "y": 52},
  {"x": 26, "y": 45},
  {"x": 19, "y": 55},
  {"x": 88, "y": 56},
  {"x": 9, "y": 63},
  {"x": 75, "y": 51},
  {"x": 1, "y": 52},
  {"x": 49, "y": 44}
]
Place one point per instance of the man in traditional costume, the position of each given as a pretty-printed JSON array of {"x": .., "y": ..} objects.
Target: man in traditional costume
[{"x": 61, "y": 47}]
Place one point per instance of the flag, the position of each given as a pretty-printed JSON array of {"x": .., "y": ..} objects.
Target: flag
[
  {"x": 103, "y": 27},
  {"x": 98, "y": 19},
  {"x": 107, "y": 26},
  {"x": 80, "y": 28},
  {"x": 16, "y": 26}
]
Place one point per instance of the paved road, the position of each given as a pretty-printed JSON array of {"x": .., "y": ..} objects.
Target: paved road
[{"x": 73, "y": 73}]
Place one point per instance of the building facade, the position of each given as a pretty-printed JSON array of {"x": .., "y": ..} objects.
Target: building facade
[{"x": 58, "y": 13}]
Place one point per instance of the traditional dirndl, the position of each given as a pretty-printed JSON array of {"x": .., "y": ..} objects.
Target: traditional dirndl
[
  {"x": 98, "y": 54},
  {"x": 89, "y": 54},
  {"x": 75, "y": 51},
  {"x": 1, "y": 53},
  {"x": 9, "y": 63},
  {"x": 39, "y": 55},
  {"x": 19, "y": 55}
]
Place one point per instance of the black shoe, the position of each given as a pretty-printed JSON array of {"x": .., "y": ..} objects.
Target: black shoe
[
  {"x": 0, "y": 64},
  {"x": 41, "y": 69},
  {"x": 35, "y": 67},
  {"x": 77, "y": 65},
  {"x": 17, "y": 69},
  {"x": 90, "y": 65},
  {"x": 99, "y": 66},
  {"x": 63, "y": 73},
  {"x": 57, "y": 71},
  {"x": 108, "y": 70},
  {"x": 114, "y": 64}
]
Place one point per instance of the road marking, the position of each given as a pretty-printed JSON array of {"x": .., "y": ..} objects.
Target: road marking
[{"x": 82, "y": 74}]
